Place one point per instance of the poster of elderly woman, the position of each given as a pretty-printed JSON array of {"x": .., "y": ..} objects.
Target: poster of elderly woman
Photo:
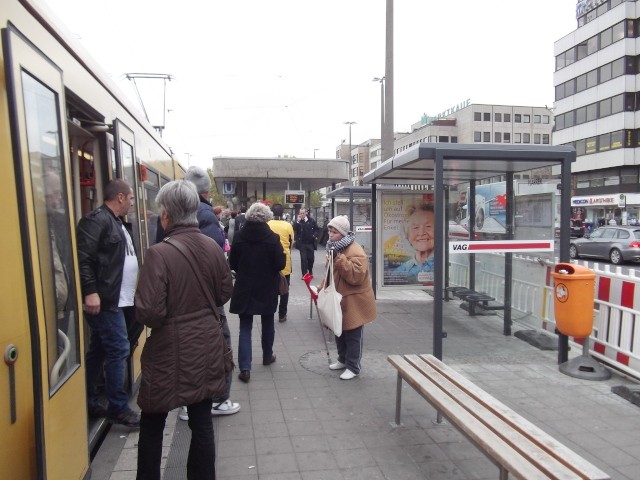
[{"x": 408, "y": 223}]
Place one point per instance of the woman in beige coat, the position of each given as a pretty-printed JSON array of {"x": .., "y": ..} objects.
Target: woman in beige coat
[{"x": 351, "y": 279}]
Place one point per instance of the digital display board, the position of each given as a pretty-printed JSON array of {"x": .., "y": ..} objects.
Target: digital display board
[{"x": 294, "y": 196}]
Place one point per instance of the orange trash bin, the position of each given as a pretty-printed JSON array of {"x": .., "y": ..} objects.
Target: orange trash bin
[{"x": 573, "y": 290}]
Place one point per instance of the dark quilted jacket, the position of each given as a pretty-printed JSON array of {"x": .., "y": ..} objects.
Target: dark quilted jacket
[{"x": 182, "y": 359}]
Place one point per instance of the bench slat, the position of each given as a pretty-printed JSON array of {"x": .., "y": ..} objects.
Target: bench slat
[
  {"x": 515, "y": 438},
  {"x": 468, "y": 424},
  {"x": 542, "y": 439}
]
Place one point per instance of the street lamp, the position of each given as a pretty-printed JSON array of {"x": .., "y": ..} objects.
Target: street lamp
[
  {"x": 314, "y": 152},
  {"x": 349, "y": 123},
  {"x": 382, "y": 139}
]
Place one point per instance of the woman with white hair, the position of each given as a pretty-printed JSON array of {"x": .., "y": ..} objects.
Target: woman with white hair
[
  {"x": 183, "y": 358},
  {"x": 257, "y": 257}
]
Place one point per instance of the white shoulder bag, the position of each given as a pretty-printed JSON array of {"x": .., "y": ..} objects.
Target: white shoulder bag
[{"x": 328, "y": 302}]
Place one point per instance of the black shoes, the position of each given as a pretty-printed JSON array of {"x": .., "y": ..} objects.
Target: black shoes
[
  {"x": 282, "y": 318},
  {"x": 244, "y": 375},
  {"x": 128, "y": 418},
  {"x": 269, "y": 361}
]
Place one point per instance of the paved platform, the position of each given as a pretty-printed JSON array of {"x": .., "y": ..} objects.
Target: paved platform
[{"x": 300, "y": 421}]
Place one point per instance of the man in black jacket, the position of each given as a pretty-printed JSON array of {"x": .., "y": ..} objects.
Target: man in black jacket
[
  {"x": 306, "y": 232},
  {"x": 108, "y": 275}
]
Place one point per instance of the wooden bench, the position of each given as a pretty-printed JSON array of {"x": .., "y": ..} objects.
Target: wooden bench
[{"x": 514, "y": 444}]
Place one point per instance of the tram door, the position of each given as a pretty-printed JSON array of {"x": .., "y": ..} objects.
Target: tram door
[{"x": 43, "y": 416}]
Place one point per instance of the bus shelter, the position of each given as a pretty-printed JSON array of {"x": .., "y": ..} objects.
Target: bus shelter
[{"x": 470, "y": 193}]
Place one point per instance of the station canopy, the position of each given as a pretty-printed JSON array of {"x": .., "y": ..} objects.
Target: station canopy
[{"x": 269, "y": 175}]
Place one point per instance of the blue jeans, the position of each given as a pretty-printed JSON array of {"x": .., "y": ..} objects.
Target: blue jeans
[
  {"x": 244, "y": 342},
  {"x": 108, "y": 348},
  {"x": 201, "y": 462}
]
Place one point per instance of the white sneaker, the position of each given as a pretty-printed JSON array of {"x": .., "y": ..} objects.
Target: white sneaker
[
  {"x": 225, "y": 408},
  {"x": 348, "y": 375},
  {"x": 183, "y": 415},
  {"x": 338, "y": 365}
]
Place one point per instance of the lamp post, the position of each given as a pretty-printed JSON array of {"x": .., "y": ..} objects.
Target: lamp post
[
  {"x": 383, "y": 147},
  {"x": 349, "y": 123},
  {"x": 314, "y": 152}
]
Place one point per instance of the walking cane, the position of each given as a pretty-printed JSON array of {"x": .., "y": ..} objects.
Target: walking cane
[{"x": 314, "y": 298}]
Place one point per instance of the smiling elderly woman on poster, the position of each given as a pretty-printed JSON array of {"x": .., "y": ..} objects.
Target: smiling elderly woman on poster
[{"x": 419, "y": 232}]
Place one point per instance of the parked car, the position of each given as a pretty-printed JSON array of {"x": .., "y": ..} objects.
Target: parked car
[
  {"x": 458, "y": 231},
  {"x": 580, "y": 227},
  {"x": 615, "y": 243}
]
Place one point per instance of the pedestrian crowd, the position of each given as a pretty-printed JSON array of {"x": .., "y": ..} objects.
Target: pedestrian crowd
[{"x": 203, "y": 257}]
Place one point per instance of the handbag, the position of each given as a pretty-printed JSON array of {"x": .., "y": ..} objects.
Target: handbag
[
  {"x": 283, "y": 285},
  {"x": 328, "y": 303},
  {"x": 227, "y": 247},
  {"x": 229, "y": 365}
]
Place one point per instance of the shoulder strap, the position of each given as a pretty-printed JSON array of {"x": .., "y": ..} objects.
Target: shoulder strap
[{"x": 185, "y": 252}]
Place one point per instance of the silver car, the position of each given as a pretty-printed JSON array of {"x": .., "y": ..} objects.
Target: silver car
[{"x": 616, "y": 243}]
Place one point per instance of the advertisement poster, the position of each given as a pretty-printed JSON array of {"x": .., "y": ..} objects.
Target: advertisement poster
[{"x": 408, "y": 223}]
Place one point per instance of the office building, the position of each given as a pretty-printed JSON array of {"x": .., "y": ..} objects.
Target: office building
[{"x": 596, "y": 109}]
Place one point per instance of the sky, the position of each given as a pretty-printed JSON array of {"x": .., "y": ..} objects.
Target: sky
[{"x": 272, "y": 78}]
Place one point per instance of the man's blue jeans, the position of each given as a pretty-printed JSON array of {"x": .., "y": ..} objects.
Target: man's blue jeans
[
  {"x": 244, "y": 343},
  {"x": 108, "y": 347}
]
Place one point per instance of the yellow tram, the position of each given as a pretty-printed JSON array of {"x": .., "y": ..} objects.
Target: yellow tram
[{"x": 65, "y": 130}]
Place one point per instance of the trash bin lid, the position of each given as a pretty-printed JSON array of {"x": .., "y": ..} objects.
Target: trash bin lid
[{"x": 570, "y": 270}]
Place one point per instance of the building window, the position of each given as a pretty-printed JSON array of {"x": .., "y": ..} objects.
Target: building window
[
  {"x": 559, "y": 122},
  {"x": 590, "y": 145},
  {"x": 606, "y": 38},
  {"x": 526, "y": 118},
  {"x": 592, "y": 112},
  {"x": 497, "y": 137},
  {"x": 617, "y": 139},
  {"x": 537, "y": 119},
  {"x": 497, "y": 117},
  {"x": 477, "y": 116},
  {"x": 517, "y": 118},
  {"x": 487, "y": 116},
  {"x": 617, "y": 104},
  {"x": 454, "y": 139},
  {"x": 537, "y": 138},
  {"x": 507, "y": 138},
  {"x": 605, "y": 108},
  {"x": 486, "y": 137},
  {"x": 507, "y": 117},
  {"x": 443, "y": 139},
  {"x": 629, "y": 175},
  {"x": 605, "y": 73},
  {"x": 581, "y": 115},
  {"x": 517, "y": 138},
  {"x": 545, "y": 138},
  {"x": 526, "y": 138},
  {"x": 477, "y": 136},
  {"x": 545, "y": 119}
]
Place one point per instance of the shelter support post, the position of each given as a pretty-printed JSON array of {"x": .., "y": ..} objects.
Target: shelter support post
[
  {"x": 508, "y": 256},
  {"x": 439, "y": 250}
]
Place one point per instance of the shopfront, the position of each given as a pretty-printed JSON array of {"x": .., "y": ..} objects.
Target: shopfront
[{"x": 600, "y": 209}]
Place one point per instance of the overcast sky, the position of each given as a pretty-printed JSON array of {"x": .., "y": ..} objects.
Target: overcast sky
[{"x": 280, "y": 77}]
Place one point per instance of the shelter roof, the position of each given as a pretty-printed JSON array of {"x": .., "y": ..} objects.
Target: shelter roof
[{"x": 462, "y": 163}]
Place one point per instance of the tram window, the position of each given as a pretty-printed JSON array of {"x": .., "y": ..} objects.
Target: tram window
[
  {"x": 129, "y": 176},
  {"x": 53, "y": 230}
]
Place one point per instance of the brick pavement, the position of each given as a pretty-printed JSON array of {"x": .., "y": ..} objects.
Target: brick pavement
[{"x": 300, "y": 421}]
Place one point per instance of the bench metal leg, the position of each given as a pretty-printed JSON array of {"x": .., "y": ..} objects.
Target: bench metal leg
[
  {"x": 311, "y": 309},
  {"x": 398, "y": 399},
  {"x": 504, "y": 474}
]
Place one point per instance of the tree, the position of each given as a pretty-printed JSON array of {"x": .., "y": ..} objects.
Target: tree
[{"x": 215, "y": 197}]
